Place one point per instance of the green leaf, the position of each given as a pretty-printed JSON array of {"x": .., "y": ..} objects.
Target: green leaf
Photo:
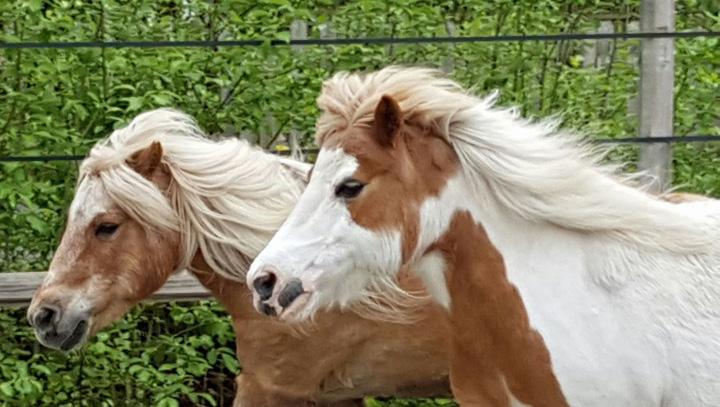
[
  {"x": 37, "y": 224},
  {"x": 231, "y": 363},
  {"x": 34, "y": 5},
  {"x": 134, "y": 103},
  {"x": 210, "y": 399},
  {"x": 135, "y": 368},
  {"x": 168, "y": 402},
  {"x": 144, "y": 376},
  {"x": 7, "y": 389},
  {"x": 161, "y": 100},
  {"x": 42, "y": 369},
  {"x": 283, "y": 36}
]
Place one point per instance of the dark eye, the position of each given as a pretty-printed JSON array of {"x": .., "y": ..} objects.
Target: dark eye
[
  {"x": 349, "y": 189},
  {"x": 106, "y": 230}
]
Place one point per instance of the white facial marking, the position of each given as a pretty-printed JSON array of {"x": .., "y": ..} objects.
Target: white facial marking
[
  {"x": 320, "y": 244},
  {"x": 90, "y": 200}
]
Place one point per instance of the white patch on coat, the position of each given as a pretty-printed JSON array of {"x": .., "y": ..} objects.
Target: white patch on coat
[{"x": 625, "y": 325}]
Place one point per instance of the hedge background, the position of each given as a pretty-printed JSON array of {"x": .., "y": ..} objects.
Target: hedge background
[{"x": 62, "y": 101}]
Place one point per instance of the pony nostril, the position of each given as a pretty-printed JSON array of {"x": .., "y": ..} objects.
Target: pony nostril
[
  {"x": 292, "y": 290},
  {"x": 265, "y": 284},
  {"x": 44, "y": 318}
]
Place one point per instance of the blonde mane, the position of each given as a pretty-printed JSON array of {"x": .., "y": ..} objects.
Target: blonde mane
[
  {"x": 529, "y": 168},
  {"x": 226, "y": 197}
]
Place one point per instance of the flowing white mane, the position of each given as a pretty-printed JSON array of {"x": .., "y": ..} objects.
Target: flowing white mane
[
  {"x": 532, "y": 169},
  {"x": 226, "y": 197}
]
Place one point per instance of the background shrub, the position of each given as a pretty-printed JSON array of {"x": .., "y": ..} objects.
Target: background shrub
[{"x": 62, "y": 101}]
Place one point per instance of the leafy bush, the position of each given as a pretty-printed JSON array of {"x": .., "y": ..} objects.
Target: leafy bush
[
  {"x": 62, "y": 101},
  {"x": 158, "y": 355}
]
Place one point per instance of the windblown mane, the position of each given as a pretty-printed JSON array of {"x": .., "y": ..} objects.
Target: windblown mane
[
  {"x": 225, "y": 197},
  {"x": 530, "y": 168}
]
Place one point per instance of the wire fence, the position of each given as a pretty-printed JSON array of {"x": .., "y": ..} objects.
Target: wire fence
[
  {"x": 358, "y": 41},
  {"x": 369, "y": 41},
  {"x": 625, "y": 140}
]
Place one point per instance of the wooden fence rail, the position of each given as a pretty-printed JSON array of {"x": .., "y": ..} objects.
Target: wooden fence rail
[{"x": 16, "y": 289}]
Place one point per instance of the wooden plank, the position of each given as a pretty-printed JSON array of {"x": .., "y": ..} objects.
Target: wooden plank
[
  {"x": 657, "y": 69},
  {"x": 16, "y": 289}
]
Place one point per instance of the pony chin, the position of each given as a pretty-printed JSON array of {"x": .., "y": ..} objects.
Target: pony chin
[
  {"x": 338, "y": 291},
  {"x": 349, "y": 283},
  {"x": 302, "y": 309}
]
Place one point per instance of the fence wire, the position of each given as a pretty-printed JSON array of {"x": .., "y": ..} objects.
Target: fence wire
[
  {"x": 625, "y": 140},
  {"x": 358, "y": 41},
  {"x": 369, "y": 41}
]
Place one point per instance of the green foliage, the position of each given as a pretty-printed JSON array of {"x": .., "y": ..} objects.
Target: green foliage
[
  {"x": 411, "y": 403},
  {"x": 158, "y": 355},
  {"x": 62, "y": 101}
]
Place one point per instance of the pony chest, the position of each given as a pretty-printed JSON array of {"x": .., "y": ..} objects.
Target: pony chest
[
  {"x": 533, "y": 331},
  {"x": 294, "y": 358},
  {"x": 495, "y": 354}
]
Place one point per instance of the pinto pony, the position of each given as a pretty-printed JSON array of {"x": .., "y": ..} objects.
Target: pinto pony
[
  {"x": 158, "y": 196},
  {"x": 565, "y": 285}
]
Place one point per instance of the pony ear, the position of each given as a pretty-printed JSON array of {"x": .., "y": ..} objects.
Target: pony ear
[
  {"x": 388, "y": 118},
  {"x": 146, "y": 161}
]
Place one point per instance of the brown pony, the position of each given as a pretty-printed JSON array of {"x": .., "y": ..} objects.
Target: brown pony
[{"x": 156, "y": 197}]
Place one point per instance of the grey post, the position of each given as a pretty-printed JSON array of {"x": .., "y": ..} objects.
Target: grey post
[
  {"x": 657, "y": 63},
  {"x": 298, "y": 31}
]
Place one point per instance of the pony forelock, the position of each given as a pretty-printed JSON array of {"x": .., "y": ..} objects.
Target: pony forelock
[{"x": 226, "y": 198}]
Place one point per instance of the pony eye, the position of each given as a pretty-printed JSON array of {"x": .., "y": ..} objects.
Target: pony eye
[
  {"x": 349, "y": 189},
  {"x": 106, "y": 230}
]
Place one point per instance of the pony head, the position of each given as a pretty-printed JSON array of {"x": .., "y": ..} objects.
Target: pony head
[
  {"x": 359, "y": 220},
  {"x": 108, "y": 260},
  {"x": 152, "y": 198}
]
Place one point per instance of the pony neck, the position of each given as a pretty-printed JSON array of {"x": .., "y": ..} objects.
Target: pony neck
[
  {"x": 537, "y": 256},
  {"x": 509, "y": 233},
  {"x": 233, "y": 295},
  {"x": 483, "y": 251},
  {"x": 490, "y": 324}
]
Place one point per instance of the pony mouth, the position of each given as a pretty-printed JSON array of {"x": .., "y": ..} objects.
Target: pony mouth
[
  {"x": 75, "y": 338},
  {"x": 297, "y": 308},
  {"x": 289, "y": 302},
  {"x": 295, "y": 311}
]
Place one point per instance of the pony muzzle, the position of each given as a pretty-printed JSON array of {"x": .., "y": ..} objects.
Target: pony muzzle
[
  {"x": 272, "y": 295},
  {"x": 58, "y": 328}
]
